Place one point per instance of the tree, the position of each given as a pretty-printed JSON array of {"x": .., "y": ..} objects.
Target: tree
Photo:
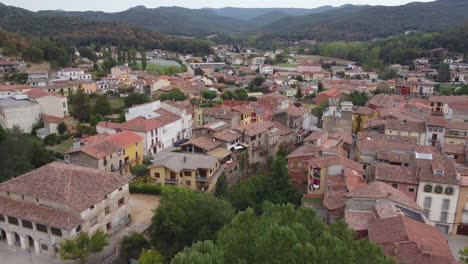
[
  {"x": 80, "y": 247},
  {"x": 39, "y": 124},
  {"x": 151, "y": 257},
  {"x": 81, "y": 105},
  {"x": 102, "y": 105},
  {"x": 139, "y": 170},
  {"x": 136, "y": 99},
  {"x": 173, "y": 95},
  {"x": 221, "y": 186},
  {"x": 283, "y": 234},
  {"x": 241, "y": 94},
  {"x": 144, "y": 61},
  {"x": 132, "y": 245},
  {"x": 32, "y": 54},
  {"x": 299, "y": 93},
  {"x": 208, "y": 94},
  {"x": 39, "y": 154},
  {"x": 199, "y": 71},
  {"x": 258, "y": 81},
  {"x": 94, "y": 119},
  {"x": 61, "y": 128},
  {"x": 357, "y": 98},
  {"x": 185, "y": 216},
  {"x": 464, "y": 255},
  {"x": 3, "y": 134},
  {"x": 227, "y": 95},
  {"x": 443, "y": 72},
  {"x": 320, "y": 87}
]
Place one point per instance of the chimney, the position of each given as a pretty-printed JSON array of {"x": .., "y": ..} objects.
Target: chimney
[
  {"x": 396, "y": 247},
  {"x": 426, "y": 249}
]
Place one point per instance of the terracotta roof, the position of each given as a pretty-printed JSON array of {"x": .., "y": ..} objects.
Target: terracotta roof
[
  {"x": 124, "y": 138},
  {"x": 305, "y": 151},
  {"x": 37, "y": 93},
  {"x": 14, "y": 87},
  {"x": 52, "y": 119},
  {"x": 363, "y": 110},
  {"x": 459, "y": 105},
  {"x": 436, "y": 121},
  {"x": 454, "y": 148},
  {"x": 297, "y": 111},
  {"x": 334, "y": 197},
  {"x": 334, "y": 160},
  {"x": 94, "y": 139},
  {"x": 358, "y": 220},
  {"x": 39, "y": 214},
  {"x": 426, "y": 169},
  {"x": 394, "y": 173},
  {"x": 378, "y": 189},
  {"x": 449, "y": 99},
  {"x": 111, "y": 125},
  {"x": 183, "y": 161},
  {"x": 392, "y": 156},
  {"x": 255, "y": 128},
  {"x": 203, "y": 143},
  {"x": 140, "y": 124},
  {"x": 315, "y": 135},
  {"x": 228, "y": 136},
  {"x": 415, "y": 242},
  {"x": 78, "y": 187},
  {"x": 403, "y": 125},
  {"x": 460, "y": 125}
]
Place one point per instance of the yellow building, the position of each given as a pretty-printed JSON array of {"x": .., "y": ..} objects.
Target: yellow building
[
  {"x": 456, "y": 132},
  {"x": 189, "y": 170},
  {"x": 198, "y": 116},
  {"x": 361, "y": 115},
  {"x": 461, "y": 215},
  {"x": 245, "y": 114},
  {"x": 407, "y": 128}
]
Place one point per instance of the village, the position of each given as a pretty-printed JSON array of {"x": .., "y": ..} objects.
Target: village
[{"x": 385, "y": 155}]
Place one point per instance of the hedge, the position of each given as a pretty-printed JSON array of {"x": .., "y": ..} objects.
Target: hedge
[{"x": 149, "y": 189}]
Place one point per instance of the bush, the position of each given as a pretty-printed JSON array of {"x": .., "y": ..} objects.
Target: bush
[
  {"x": 148, "y": 189},
  {"x": 139, "y": 170},
  {"x": 52, "y": 139}
]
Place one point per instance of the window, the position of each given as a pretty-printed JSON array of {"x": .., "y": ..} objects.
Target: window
[
  {"x": 188, "y": 183},
  {"x": 107, "y": 210},
  {"x": 157, "y": 175},
  {"x": 120, "y": 189},
  {"x": 449, "y": 190},
  {"x": 44, "y": 247},
  {"x": 109, "y": 226},
  {"x": 92, "y": 207},
  {"x": 13, "y": 220},
  {"x": 41, "y": 228},
  {"x": 427, "y": 202},
  {"x": 2, "y": 218},
  {"x": 93, "y": 221},
  {"x": 27, "y": 224},
  {"x": 411, "y": 189},
  {"x": 443, "y": 217},
  {"x": 445, "y": 204},
  {"x": 56, "y": 231},
  {"x": 78, "y": 229},
  {"x": 426, "y": 212},
  {"x": 121, "y": 202},
  {"x": 438, "y": 189},
  {"x": 428, "y": 188},
  {"x": 187, "y": 173},
  {"x": 395, "y": 185}
]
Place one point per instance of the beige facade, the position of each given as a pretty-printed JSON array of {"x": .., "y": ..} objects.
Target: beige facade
[
  {"x": 421, "y": 136},
  {"x": 53, "y": 105}
]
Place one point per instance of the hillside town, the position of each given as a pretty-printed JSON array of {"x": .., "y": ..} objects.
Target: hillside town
[{"x": 388, "y": 156}]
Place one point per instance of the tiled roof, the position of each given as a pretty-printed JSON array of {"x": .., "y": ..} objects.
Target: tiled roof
[
  {"x": 255, "y": 128},
  {"x": 39, "y": 214},
  {"x": 124, "y": 138},
  {"x": 37, "y": 93},
  {"x": 449, "y": 99},
  {"x": 141, "y": 124},
  {"x": 394, "y": 173},
  {"x": 316, "y": 135},
  {"x": 403, "y": 125},
  {"x": 410, "y": 241},
  {"x": 378, "y": 189},
  {"x": 460, "y": 125},
  {"x": 392, "y": 156},
  {"x": 228, "y": 136},
  {"x": 94, "y": 139},
  {"x": 358, "y": 220},
  {"x": 203, "y": 143},
  {"x": 334, "y": 160},
  {"x": 52, "y": 119},
  {"x": 305, "y": 151},
  {"x": 183, "y": 161},
  {"x": 436, "y": 121},
  {"x": 363, "y": 110},
  {"x": 111, "y": 125},
  {"x": 78, "y": 187},
  {"x": 426, "y": 169},
  {"x": 454, "y": 148},
  {"x": 14, "y": 87}
]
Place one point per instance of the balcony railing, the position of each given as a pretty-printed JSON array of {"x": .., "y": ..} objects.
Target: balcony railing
[{"x": 172, "y": 181}]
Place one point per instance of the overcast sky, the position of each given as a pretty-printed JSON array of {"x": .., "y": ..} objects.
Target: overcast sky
[{"x": 120, "y": 5}]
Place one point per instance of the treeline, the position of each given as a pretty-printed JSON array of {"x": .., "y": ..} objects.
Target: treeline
[{"x": 401, "y": 49}]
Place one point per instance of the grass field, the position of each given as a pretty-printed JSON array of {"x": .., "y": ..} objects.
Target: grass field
[
  {"x": 63, "y": 147},
  {"x": 117, "y": 103},
  {"x": 310, "y": 106}
]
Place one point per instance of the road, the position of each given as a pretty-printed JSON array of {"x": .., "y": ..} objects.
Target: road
[{"x": 189, "y": 69}]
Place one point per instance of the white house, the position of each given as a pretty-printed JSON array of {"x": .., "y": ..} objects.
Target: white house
[
  {"x": 73, "y": 74},
  {"x": 19, "y": 111},
  {"x": 266, "y": 69}
]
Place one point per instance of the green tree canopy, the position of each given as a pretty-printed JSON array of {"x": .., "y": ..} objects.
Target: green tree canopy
[
  {"x": 208, "y": 94},
  {"x": 151, "y": 257},
  {"x": 199, "y": 71},
  {"x": 82, "y": 245},
  {"x": 81, "y": 105},
  {"x": 173, "y": 95},
  {"x": 136, "y": 99},
  {"x": 185, "y": 216},
  {"x": 61, "y": 128},
  {"x": 282, "y": 234},
  {"x": 102, "y": 106}
]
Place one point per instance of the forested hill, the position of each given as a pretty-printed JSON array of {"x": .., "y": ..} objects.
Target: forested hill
[
  {"x": 369, "y": 22},
  {"x": 167, "y": 20},
  {"x": 80, "y": 31}
]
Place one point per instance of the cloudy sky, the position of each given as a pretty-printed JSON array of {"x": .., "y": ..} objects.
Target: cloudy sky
[{"x": 119, "y": 5}]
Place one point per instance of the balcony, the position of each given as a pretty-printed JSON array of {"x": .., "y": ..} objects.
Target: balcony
[
  {"x": 171, "y": 181},
  {"x": 213, "y": 178}
]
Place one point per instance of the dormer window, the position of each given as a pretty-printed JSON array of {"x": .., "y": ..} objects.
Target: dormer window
[{"x": 439, "y": 172}]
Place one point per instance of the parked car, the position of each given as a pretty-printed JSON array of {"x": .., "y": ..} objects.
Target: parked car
[{"x": 180, "y": 142}]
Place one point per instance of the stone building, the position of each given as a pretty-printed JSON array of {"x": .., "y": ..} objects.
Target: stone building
[{"x": 43, "y": 207}]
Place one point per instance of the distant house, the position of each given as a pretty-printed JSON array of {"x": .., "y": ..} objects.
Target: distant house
[
  {"x": 120, "y": 70},
  {"x": 73, "y": 74},
  {"x": 19, "y": 111}
]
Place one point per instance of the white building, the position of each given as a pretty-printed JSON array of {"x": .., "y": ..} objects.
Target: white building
[
  {"x": 160, "y": 124},
  {"x": 58, "y": 201},
  {"x": 19, "y": 111},
  {"x": 266, "y": 69},
  {"x": 73, "y": 74}
]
